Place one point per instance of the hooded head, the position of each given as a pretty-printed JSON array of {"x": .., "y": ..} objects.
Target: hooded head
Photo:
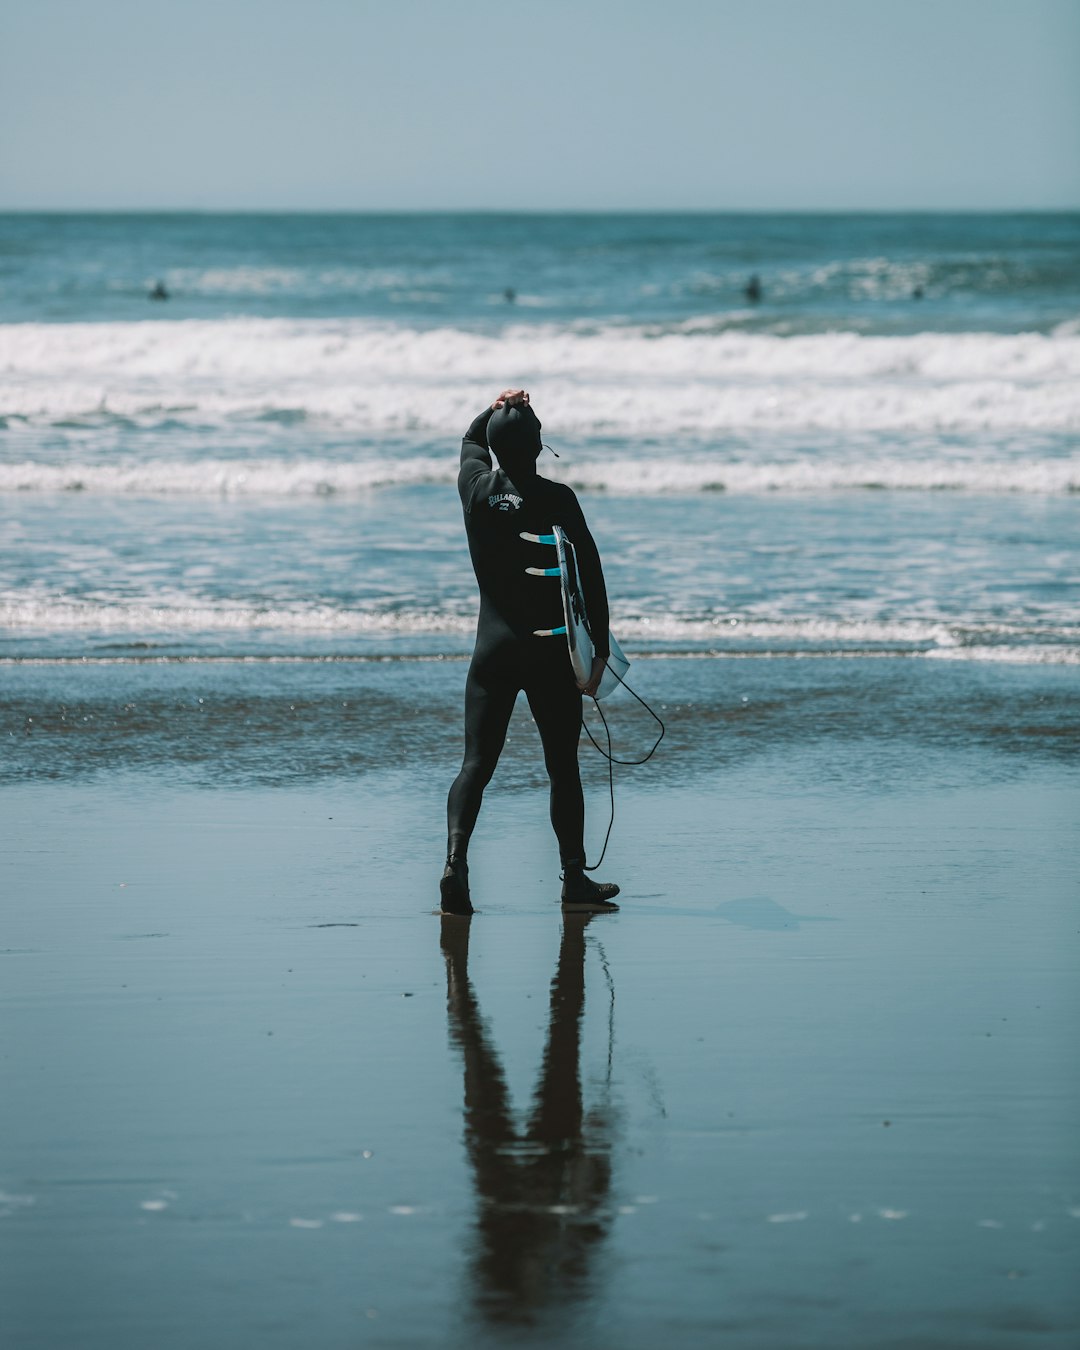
[{"x": 513, "y": 433}]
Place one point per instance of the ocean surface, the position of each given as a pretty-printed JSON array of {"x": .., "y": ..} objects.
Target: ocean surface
[{"x": 882, "y": 455}]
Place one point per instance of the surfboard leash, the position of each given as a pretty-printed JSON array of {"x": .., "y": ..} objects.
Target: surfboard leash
[{"x": 613, "y": 760}]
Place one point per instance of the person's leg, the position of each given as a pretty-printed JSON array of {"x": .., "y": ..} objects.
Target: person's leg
[
  {"x": 489, "y": 701},
  {"x": 555, "y": 701}
]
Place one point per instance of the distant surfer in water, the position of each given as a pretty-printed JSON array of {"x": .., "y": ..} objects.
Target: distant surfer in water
[{"x": 501, "y": 504}]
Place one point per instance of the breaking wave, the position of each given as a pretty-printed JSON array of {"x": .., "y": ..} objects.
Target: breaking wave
[
  {"x": 723, "y": 634},
  {"x": 382, "y": 378},
  {"x": 618, "y": 476}
]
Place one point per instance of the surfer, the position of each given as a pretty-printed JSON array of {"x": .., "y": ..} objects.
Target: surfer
[{"x": 500, "y": 505}]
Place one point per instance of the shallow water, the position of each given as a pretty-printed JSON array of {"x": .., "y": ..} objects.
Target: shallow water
[
  {"x": 988, "y": 578},
  {"x": 877, "y": 721}
]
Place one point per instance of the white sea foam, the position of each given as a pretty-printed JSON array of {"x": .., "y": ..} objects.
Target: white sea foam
[
  {"x": 174, "y": 614},
  {"x": 827, "y": 474},
  {"x": 217, "y": 477},
  {"x": 616, "y": 380},
  {"x": 1037, "y": 654},
  {"x": 619, "y": 476},
  {"x": 247, "y": 280}
]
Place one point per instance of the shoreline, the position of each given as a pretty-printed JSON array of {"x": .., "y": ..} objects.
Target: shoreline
[
  {"x": 1037, "y": 654},
  {"x": 224, "y": 722}
]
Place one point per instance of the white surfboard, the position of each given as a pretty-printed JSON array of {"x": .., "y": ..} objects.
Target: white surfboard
[{"x": 576, "y": 628}]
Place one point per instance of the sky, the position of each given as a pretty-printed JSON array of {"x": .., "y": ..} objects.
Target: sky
[{"x": 553, "y": 105}]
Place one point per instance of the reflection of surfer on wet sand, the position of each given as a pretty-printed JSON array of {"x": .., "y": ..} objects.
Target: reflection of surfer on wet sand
[{"x": 541, "y": 1190}]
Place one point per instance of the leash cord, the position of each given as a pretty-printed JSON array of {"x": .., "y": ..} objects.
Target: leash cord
[{"x": 613, "y": 760}]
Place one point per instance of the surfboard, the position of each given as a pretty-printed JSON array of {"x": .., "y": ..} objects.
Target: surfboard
[{"x": 576, "y": 626}]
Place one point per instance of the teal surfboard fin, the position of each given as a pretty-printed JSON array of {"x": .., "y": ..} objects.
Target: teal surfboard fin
[
  {"x": 537, "y": 538},
  {"x": 550, "y": 632},
  {"x": 544, "y": 571}
]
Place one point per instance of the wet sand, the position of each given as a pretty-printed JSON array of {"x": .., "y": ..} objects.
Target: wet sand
[{"x": 814, "y": 1086}]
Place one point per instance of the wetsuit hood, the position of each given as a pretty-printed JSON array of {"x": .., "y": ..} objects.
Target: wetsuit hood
[{"x": 514, "y": 436}]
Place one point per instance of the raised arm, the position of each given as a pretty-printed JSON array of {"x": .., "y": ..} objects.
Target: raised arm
[
  {"x": 475, "y": 454},
  {"x": 475, "y": 457}
]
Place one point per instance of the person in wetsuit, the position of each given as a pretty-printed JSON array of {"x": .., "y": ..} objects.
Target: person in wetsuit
[{"x": 500, "y": 504}]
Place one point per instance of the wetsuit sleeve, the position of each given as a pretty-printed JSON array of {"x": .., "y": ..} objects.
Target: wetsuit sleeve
[
  {"x": 591, "y": 574},
  {"x": 475, "y": 459}
]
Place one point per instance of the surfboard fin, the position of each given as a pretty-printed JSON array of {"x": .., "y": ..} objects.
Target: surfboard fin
[
  {"x": 537, "y": 538},
  {"x": 543, "y": 571},
  {"x": 550, "y": 632}
]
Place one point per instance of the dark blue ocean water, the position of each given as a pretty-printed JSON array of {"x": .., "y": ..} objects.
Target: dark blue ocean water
[{"x": 874, "y": 274}]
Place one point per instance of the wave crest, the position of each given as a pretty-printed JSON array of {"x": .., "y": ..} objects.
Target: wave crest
[
  {"x": 726, "y": 634},
  {"x": 381, "y": 378},
  {"x": 616, "y": 476}
]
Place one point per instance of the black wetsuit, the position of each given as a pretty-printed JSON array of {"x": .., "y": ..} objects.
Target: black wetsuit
[{"x": 499, "y": 505}]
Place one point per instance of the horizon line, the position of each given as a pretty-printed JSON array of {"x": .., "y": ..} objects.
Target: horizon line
[{"x": 539, "y": 210}]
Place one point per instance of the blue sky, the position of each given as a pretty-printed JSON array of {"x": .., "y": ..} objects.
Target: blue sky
[{"x": 497, "y": 104}]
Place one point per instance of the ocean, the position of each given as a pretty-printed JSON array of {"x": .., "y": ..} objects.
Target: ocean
[{"x": 879, "y": 455}]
